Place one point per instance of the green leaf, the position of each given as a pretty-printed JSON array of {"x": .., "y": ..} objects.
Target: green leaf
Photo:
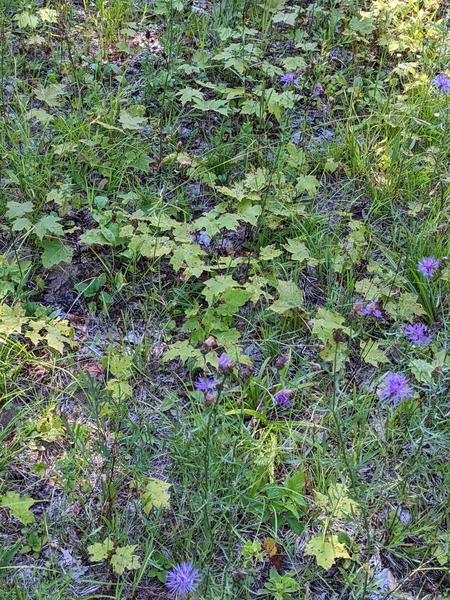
[
  {"x": 372, "y": 354},
  {"x": 269, "y": 252},
  {"x": 18, "y": 209},
  {"x": 48, "y": 15},
  {"x": 326, "y": 323},
  {"x": 408, "y": 307},
  {"x": 218, "y": 106},
  {"x": 184, "y": 351},
  {"x": 290, "y": 297},
  {"x": 119, "y": 389},
  {"x": 40, "y": 114},
  {"x": 50, "y": 94},
  {"x": 22, "y": 224},
  {"x": 362, "y": 26},
  {"x": 12, "y": 319},
  {"x": 299, "y": 252},
  {"x": 99, "y": 551},
  {"x": 422, "y": 370},
  {"x": 55, "y": 252},
  {"x": 155, "y": 495},
  {"x": 26, "y": 19},
  {"x": 307, "y": 183},
  {"x": 120, "y": 365},
  {"x": 336, "y": 502},
  {"x": 19, "y": 506},
  {"x": 188, "y": 94},
  {"x": 132, "y": 122},
  {"x": 58, "y": 333},
  {"x": 292, "y": 63},
  {"x": 286, "y": 18},
  {"x": 124, "y": 558},
  {"x": 296, "y": 481},
  {"x": 93, "y": 237},
  {"x": 326, "y": 549},
  {"x": 48, "y": 225}
]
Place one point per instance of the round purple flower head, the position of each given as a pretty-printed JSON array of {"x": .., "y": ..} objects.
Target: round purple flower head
[
  {"x": 289, "y": 79},
  {"x": 428, "y": 265},
  {"x": 442, "y": 83},
  {"x": 418, "y": 334},
  {"x": 224, "y": 363},
  {"x": 182, "y": 579},
  {"x": 282, "y": 398},
  {"x": 395, "y": 388},
  {"x": 205, "y": 384}
]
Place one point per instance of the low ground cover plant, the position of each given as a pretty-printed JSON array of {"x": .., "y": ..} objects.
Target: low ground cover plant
[{"x": 224, "y": 299}]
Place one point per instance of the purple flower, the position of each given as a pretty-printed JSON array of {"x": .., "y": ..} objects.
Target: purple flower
[
  {"x": 182, "y": 579},
  {"x": 442, "y": 82},
  {"x": 289, "y": 79},
  {"x": 372, "y": 310},
  {"x": 395, "y": 387},
  {"x": 418, "y": 334},
  {"x": 282, "y": 361},
  {"x": 428, "y": 265},
  {"x": 205, "y": 384},
  {"x": 224, "y": 362},
  {"x": 282, "y": 398}
]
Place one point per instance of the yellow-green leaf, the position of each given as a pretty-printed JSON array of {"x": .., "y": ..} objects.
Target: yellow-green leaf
[
  {"x": 326, "y": 549},
  {"x": 155, "y": 495}
]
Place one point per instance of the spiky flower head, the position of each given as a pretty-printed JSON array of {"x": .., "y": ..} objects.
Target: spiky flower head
[
  {"x": 289, "y": 79},
  {"x": 442, "y": 83},
  {"x": 182, "y": 579},
  {"x": 428, "y": 265},
  {"x": 418, "y": 334},
  {"x": 395, "y": 387},
  {"x": 205, "y": 384}
]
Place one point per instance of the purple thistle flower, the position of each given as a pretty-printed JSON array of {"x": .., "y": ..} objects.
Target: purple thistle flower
[
  {"x": 372, "y": 310},
  {"x": 282, "y": 398},
  {"x": 182, "y": 579},
  {"x": 428, "y": 265},
  {"x": 224, "y": 363},
  {"x": 289, "y": 79},
  {"x": 395, "y": 387},
  {"x": 418, "y": 334},
  {"x": 442, "y": 82},
  {"x": 205, "y": 384}
]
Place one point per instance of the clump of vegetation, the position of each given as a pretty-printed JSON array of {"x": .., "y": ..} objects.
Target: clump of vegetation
[{"x": 224, "y": 299}]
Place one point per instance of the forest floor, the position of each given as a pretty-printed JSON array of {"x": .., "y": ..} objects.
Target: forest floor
[{"x": 224, "y": 299}]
